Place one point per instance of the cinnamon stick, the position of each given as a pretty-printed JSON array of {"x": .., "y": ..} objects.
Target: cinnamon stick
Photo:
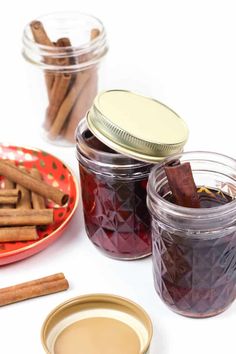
[
  {"x": 25, "y": 200},
  {"x": 20, "y": 233},
  {"x": 68, "y": 103},
  {"x": 59, "y": 90},
  {"x": 8, "y": 200},
  {"x": 182, "y": 185},
  {"x": 39, "y": 33},
  {"x": 95, "y": 32},
  {"x": 47, "y": 279},
  {"x": 9, "y": 196},
  {"x": 60, "y": 85},
  {"x": 8, "y": 184},
  {"x": 30, "y": 182},
  {"x": 38, "y": 201},
  {"x": 83, "y": 102},
  {"x": 85, "y": 97},
  {"x": 64, "y": 43},
  {"x": 34, "y": 288},
  {"x": 41, "y": 37},
  {"x": 9, "y": 192},
  {"x": 25, "y": 217},
  {"x": 66, "y": 107}
]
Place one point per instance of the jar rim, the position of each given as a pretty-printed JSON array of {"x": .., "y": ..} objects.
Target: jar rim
[
  {"x": 190, "y": 213},
  {"x": 98, "y": 45}
]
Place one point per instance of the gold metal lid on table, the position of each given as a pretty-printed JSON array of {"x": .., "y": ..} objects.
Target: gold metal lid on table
[
  {"x": 97, "y": 323},
  {"x": 137, "y": 126}
]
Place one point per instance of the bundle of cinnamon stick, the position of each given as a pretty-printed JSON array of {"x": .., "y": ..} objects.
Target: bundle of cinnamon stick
[
  {"x": 70, "y": 93},
  {"x": 23, "y": 202}
]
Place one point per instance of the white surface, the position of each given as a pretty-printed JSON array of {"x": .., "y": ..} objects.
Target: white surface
[{"x": 180, "y": 52}]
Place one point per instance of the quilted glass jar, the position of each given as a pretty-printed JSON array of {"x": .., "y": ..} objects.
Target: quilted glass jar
[
  {"x": 194, "y": 250},
  {"x": 114, "y": 194},
  {"x": 65, "y": 52}
]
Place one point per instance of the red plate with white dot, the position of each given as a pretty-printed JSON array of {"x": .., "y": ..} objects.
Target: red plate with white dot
[{"x": 54, "y": 172}]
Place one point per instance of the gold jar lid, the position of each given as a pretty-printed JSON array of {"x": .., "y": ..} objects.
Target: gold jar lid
[
  {"x": 97, "y": 323},
  {"x": 137, "y": 126}
]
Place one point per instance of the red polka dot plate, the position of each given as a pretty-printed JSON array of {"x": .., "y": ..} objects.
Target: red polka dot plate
[{"x": 53, "y": 172}]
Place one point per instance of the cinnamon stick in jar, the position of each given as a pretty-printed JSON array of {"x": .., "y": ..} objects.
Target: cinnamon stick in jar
[
  {"x": 67, "y": 104},
  {"x": 95, "y": 32},
  {"x": 35, "y": 288},
  {"x": 41, "y": 37},
  {"x": 76, "y": 93},
  {"x": 60, "y": 85},
  {"x": 182, "y": 185},
  {"x": 84, "y": 101},
  {"x": 35, "y": 185}
]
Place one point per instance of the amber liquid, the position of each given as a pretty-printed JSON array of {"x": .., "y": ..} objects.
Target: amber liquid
[
  {"x": 116, "y": 216},
  {"x": 196, "y": 278}
]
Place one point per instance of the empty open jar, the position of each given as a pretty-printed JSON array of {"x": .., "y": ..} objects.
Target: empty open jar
[
  {"x": 66, "y": 50},
  {"x": 111, "y": 147},
  {"x": 194, "y": 248}
]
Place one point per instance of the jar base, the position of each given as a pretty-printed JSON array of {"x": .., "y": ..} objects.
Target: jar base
[
  {"x": 123, "y": 257},
  {"x": 191, "y": 314},
  {"x": 199, "y": 315},
  {"x": 58, "y": 141}
]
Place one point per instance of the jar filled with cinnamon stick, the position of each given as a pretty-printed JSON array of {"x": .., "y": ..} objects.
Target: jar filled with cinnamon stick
[{"x": 66, "y": 50}]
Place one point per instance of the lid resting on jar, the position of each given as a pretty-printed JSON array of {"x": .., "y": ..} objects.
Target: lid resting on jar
[{"x": 137, "y": 126}]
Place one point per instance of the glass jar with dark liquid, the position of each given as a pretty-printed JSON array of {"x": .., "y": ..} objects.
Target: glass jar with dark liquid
[
  {"x": 123, "y": 135},
  {"x": 114, "y": 194},
  {"x": 194, "y": 250}
]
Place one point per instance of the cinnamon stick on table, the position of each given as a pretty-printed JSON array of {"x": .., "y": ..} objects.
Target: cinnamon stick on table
[
  {"x": 34, "y": 288},
  {"x": 182, "y": 185},
  {"x": 32, "y": 183}
]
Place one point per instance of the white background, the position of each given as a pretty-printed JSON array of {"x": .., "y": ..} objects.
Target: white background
[{"x": 180, "y": 52}]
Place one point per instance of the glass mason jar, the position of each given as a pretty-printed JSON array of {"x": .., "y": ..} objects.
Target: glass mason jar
[
  {"x": 194, "y": 250},
  {"x": 113, "y": 188},
  {"x": 66, "y": 49}
]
